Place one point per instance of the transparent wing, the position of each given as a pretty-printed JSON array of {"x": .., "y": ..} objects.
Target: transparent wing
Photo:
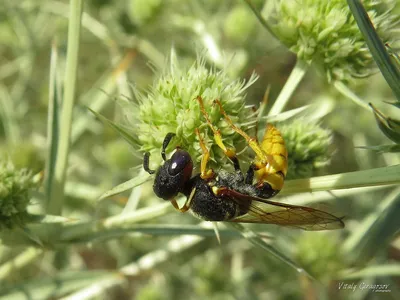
[{"x": 270, "y": 212}]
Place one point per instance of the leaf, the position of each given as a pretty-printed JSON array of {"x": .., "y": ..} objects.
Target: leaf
[
  {"x": 255, "y": 239},
  {"x": 378, "y": 50},
  {"x": 151, "y": 229},
  {"x": 372, "y": 271},
  {"x": 390, "y": 127},
  {"x": 126, "y": 185},
  {"x": 132, "y": 140},
  {"x": 52, "y": 122},
  {"x": 260, "y": 18},
  {"x": 373, "y": 177},
  {"x": 48, "y": 219},
  {"x": 376, "y": 229},
  {"x": 396, "y": 104},
  {"x": 53, "y": 286},
  {"x": 382, "y": 148}
]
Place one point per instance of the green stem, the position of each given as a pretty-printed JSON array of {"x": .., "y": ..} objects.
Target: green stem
[
  {"x": 291, "y": 84},
  {"x": 55, "y": 202},
  {"x": 80, "y": 230},
  {"x": 373, "y": 177},
  {"x": 345, "y": 91},
  {"x": 260, "y": 18},
  {"x": 150, "y": 260},
  {"x": 9, "y": 117},
  {"x": 20, "y": 261}
]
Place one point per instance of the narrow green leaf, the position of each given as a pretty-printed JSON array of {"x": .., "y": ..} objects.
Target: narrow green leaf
[
  {"x": 376, "y": 229},
  {"x": 152, "y": 229},
  {"x": 14, "y": 265},
  {"x": 48, "y": 219},
  {"x": 131, "y": 139},
  {"x": 383, "y": 148},
  {"x": 172, "y": 249},
  {"x": 126, "y": 186},
  {"x": 99, "y": 95},
  {"x": 53, "y": 286},
  {"x": 372, "y": 177},
  {"x": 52, "y": 122},
  {"x": 32, "y": 236},
  {"x": 376, "y": 46},
  {"x": 78, "y": 231},
  {"x": 260, "y": 18},
  {"x": 8, "y": 116},
  {"x": 372, "y": 271},
  {"x": 56, "y": 199},
  {"x": 259, "y": 242},
  {"x": 390, "y": 127},
  {"x": 395, "y": 104}
]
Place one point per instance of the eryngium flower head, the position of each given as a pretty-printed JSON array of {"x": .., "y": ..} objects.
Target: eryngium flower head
[
  {"x": 326, "y": 33},
  {"x": 141, "y": 11},
  {"x": 14, "y": 195},
  {"x": 320, "y": 254},
  {"x": 308, "y": 147},
  {"x": 171, "y": 106}
]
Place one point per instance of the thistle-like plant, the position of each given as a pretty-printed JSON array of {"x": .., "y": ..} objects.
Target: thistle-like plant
[
  {"x": 170, "y": 106},
  {"x": 14, "y": 195},
  {"x": 308, "y": 146},
  {"x": 325, "y": 33}
]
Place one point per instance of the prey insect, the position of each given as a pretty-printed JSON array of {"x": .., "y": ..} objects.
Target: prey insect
[{"x": 233, "y": 196}]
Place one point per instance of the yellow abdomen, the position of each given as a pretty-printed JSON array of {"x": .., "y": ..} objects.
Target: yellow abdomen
[{"x": 272, "y": 166}]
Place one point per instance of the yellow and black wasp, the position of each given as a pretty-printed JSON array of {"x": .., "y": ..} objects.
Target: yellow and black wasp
[{"x": 233, "y": 196}]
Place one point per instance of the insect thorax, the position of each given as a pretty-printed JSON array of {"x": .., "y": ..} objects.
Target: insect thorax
[{"x": 209, "y": 207}]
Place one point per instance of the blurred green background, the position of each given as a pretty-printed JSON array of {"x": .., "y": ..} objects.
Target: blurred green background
[{"x": 123, "y": 45}]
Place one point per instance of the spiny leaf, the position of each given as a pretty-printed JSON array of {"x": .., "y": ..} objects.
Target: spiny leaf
[
  {"x": 389, "y": 126},
  {"x": 131, "y": 139},
  {"x": 378, "y": 50}
]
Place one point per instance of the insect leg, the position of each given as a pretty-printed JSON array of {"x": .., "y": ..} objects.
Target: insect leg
[
  {"x": 250, "y": 140},
  {"x": 250, "y": 174},
  {"x": 204, "y": 172},
  {"x": 146, "y": 166},
  {"x": 218, "y": 138},
  {"x": 166, "y": 141},
  {"x": 186, "y": 205}
]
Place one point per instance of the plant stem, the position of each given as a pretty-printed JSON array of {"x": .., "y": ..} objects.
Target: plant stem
[
  {"x": 55, "y": 202},
  {"x": 345, "y": 91},
  {"x": 260, "y": 18},
  {"x": 18, "y": 262},
  {"x": 291, "y": 84}
]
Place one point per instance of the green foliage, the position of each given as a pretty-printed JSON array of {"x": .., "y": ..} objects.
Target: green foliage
[
  {"x": 14, "y": 195},
  {"x": 308, "y": 146},
  {"x": 319, "y": 254},
  {"x": 239, "y": 24},
  {"x": 111, "y": 238},
  {"x": 141, "y": 11},
  {"x": 171, "y": 106},
  {"x": 325, "y": 33}
]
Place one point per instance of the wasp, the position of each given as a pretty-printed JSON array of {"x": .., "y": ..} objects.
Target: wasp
[{"x": 233, "y": 196}]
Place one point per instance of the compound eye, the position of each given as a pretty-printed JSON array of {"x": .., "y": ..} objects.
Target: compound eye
[{"x": 180, "y": 161}]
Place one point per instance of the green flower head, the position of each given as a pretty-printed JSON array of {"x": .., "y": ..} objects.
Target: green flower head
[
  {"x": 326, "y": 33},
  {"x": 239, "y": 24},
  {"x": 14, "y": 195},
  {"x": 171, "y": 106},
  {"x": 319, "y": 253},
  {"x": 141, "y": 11},
  {"x": 308, "y": 147}
]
